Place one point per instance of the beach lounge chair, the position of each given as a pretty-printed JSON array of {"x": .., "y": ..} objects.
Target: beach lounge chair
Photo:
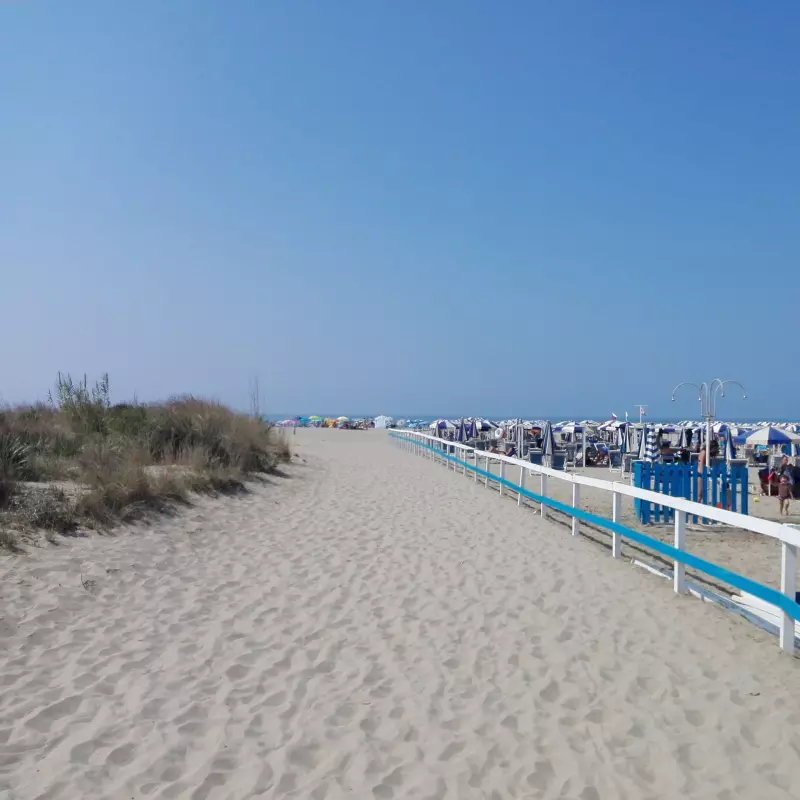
[
  {"x": 558, "y": 460},
  {"x": 615, "y": 460},
  {"x": 627, "y": 463}
]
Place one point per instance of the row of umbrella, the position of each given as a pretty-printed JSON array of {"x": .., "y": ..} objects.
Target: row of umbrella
[{"x": 768, "y": 436}]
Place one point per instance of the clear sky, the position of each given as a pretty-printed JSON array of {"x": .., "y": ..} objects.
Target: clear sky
[{"x": 522, "y": 208}]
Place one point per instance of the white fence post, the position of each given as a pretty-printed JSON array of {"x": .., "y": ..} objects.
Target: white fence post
[
  {"x": 679, "y": 571},
  {"x": 616, "y": 539},
  {"x": 502, "y": 475},
  {"x": 543, "y": 492},
  {"x": 521, "y": 485},
  {"x": 475, "y": 474},
  {"x": 576, "y": 501},
  {"x": 789, "y": 588},
  {"x": 486, "y": 478}
]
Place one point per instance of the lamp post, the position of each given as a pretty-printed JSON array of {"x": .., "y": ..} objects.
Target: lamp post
[{"x": 707, "y": 395}]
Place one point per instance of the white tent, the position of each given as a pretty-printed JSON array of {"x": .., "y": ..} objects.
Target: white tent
[{"x": 383, "y": 421}]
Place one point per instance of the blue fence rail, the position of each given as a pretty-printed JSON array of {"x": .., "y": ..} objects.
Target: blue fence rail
[
  {"x": 785, "y": 603},
  {"x": 724, "y": 486}
]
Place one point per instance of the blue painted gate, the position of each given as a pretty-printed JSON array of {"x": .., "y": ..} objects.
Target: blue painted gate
[{"x": 722, "y": 486}]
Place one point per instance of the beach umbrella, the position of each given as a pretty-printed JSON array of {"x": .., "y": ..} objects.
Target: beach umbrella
[
  {"x": 642, "y": 443},
  {"x": 682, "y": 442},
  {"x": 650, "y": 449},
  {"x": 730, "y": 450},
  {"x": 442, "y": 425},
  {"x": 770, "y": 436},
  {"x": 461, "y": 435},
  {"x": 622, "y": 440},
  {"x": 548, "y": 440}
]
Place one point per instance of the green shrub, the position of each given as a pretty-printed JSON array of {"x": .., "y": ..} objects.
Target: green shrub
[
  {"x": 131, "y": 421},
  {"x": 49, "y": 510},
  {"x": 9, "y": 542},
  {"x": 14, "y": 457}
]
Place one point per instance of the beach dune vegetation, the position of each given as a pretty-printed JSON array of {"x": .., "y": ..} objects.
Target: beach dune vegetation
[{"x": 80, "y": 460}]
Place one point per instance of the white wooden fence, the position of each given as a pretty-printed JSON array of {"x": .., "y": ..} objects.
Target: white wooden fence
[{"x": 439, "y": 449}]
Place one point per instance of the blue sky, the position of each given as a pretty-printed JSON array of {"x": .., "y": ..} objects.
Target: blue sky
[{"x": 455, "y": 207}]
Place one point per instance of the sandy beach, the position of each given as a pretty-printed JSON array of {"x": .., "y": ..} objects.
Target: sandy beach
[
  {"x": 749, "y": 554},
  {"x": 371, "y": 625}
]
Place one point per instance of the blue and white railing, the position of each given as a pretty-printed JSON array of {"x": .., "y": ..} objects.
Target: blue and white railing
[{"x": 457, "y": 455}]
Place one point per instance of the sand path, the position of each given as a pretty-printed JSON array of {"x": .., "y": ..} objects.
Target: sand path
[{"x": 376, "y": 627}]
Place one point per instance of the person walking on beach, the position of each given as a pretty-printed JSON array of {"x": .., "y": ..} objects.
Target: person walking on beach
[
  {"x": 784, "y": 495},
  {"x": 786, "y": 469}
]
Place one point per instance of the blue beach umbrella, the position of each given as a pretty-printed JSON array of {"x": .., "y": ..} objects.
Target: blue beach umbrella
[
  {"x": 622, "y": 440},
  {"x": 730, "y": 449},
  {"x": 461, "y": 435}
]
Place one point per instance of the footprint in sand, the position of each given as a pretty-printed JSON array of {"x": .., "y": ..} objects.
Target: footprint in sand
[
  {"x": 550, "y": 692},
  {"x": 121, "y": 756},
  {"x": 453, "y": 749},
  {"x": 542, "y": 776},
  {"x": 44, "y": 720}
]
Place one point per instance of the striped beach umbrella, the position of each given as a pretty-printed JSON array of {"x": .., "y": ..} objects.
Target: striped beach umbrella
[
  {"x": 651, "y": 447},
  {"x": 770, "y": 436},
  {"x": 548, "y": 440}
]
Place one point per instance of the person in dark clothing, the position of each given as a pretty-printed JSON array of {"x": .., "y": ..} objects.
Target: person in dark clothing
[{"x": 787, "y": 469}]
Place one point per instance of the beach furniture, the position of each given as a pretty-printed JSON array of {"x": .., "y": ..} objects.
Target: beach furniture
[
  {"x": 615, "y": 460},
  {"x": 559, "y": 460},
  {"x": 535, "y": 457}
]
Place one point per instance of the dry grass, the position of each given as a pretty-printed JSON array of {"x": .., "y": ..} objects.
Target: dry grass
[{"x": 124, "y": 460}]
